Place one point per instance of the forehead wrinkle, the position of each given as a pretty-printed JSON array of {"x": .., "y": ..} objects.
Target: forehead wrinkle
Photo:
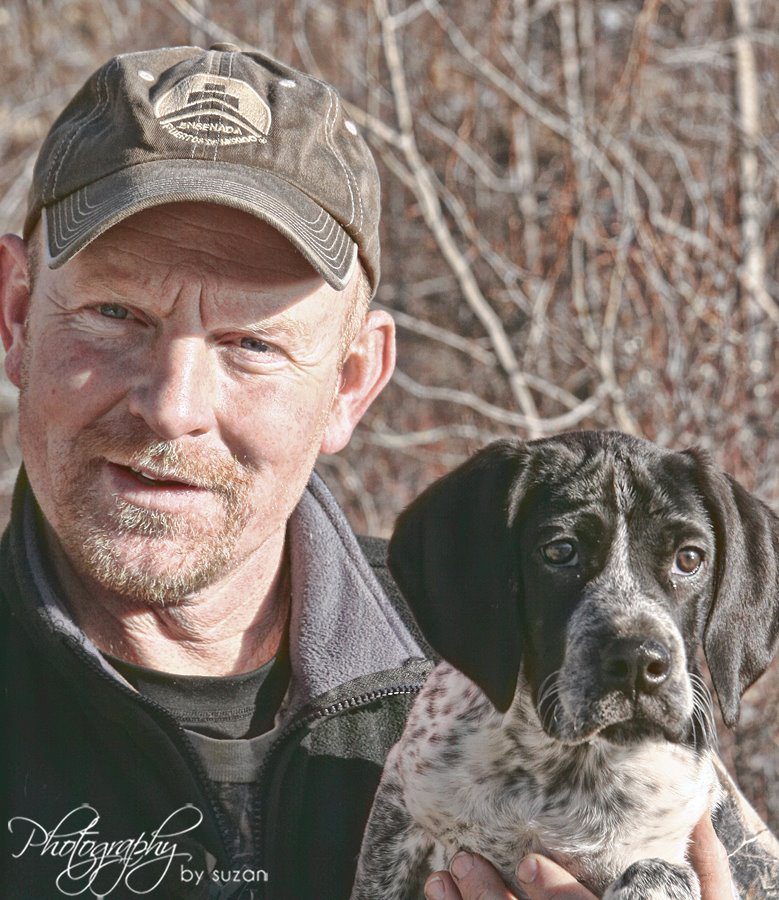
[
  {"x": 277, "y": 323},
  {"x": 593, "y": 516},
  {"x": 691, "y": 530},
  {"x": 661, "y": 506},
  {"x": 170, "y": 289},
  {"x": 231, "y": 240},
  {"x": 282, "y": 324},
  {"x": 103, "y": 263},
  {"x": 91, "y": 269}
]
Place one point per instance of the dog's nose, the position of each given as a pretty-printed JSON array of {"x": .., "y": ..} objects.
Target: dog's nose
[{"x": 635, "y": 666}]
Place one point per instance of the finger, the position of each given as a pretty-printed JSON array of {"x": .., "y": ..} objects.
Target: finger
[
  {"x": 441, "y": 886},
  {"x": 710, "y": 860},
  {"x": 476, "y": 879},
  {"x": 541, "y": 879}
]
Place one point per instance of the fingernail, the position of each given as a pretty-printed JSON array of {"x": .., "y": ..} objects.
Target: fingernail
[
  {"x": 434, "y": 888},
  {"x": 462, "y": 864},
  {"x": 527, "y": 870}
]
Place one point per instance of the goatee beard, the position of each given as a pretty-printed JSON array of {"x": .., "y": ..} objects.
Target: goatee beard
[{"x": 197, "y": 552}]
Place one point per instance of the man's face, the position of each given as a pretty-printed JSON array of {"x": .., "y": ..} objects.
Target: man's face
[{"x": 177, "y": 381}]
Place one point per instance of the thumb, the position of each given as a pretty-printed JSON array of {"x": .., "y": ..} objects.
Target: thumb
[
  {"x": 710, "y": 860},
  {"x": 542, "y": 879}
]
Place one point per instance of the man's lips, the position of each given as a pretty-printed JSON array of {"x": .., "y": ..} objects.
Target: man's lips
[
  {"x": 151, "y": 477},
  {"x": 150, "y": 482}
]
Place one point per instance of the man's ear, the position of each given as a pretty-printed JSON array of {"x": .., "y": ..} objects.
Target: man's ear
[
  {"x": 14, "y": 302},
  {"x": 368, "y": 366}
]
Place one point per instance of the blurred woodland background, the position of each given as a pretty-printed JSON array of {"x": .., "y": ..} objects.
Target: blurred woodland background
[{"x": 581, "y": 201}]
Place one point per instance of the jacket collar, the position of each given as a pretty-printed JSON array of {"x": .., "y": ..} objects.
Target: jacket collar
[{"x": 342, "y": 624}]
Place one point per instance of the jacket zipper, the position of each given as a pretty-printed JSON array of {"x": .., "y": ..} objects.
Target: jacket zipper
[
  {"x": 189, "y": 751},
  {"x": 295, "y": 725},
  {"x": 305, "y": 720}
]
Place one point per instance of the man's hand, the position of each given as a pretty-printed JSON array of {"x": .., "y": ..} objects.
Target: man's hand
[
  {"x": 710, "y": 860},
  {"x": 473, "y": 878}
]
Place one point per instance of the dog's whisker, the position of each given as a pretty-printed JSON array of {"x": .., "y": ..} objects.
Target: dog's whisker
[
  {"x": 547, "y": 684},
  {"x": 697, "y": 679},
  {"x": 546, "y": 708},
  {"x": 551, "y": 716},
  {"x": 700, "y": 734},
  {"x": 548, "y": 700},
  {"x": 698, "y": 719},
  {"x": 550, "y": 680},
  {"x": 703, "y": 710},
  {"x": 702, "y": 692}
]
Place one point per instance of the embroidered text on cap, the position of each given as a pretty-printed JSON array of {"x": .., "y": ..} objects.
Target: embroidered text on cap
[{"x": 211, "y": 109}]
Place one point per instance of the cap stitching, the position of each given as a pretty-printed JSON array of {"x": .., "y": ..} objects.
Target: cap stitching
[
  {"x": 323, "y": 236},
  {"x": 354, "y": 180},
  {"x": 218, "y": 144},
  {"x": 59, "y": 150},
  {"x": 331, "y": 144},
  {"x": 102, "y": 102},
  {"x": 210, "y": 55},
  {"x": 219, "y": 70},
  {"x": 71, "y": 218}
]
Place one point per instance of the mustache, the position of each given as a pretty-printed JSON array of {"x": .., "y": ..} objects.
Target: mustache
[{"x": 131, "y": 444}]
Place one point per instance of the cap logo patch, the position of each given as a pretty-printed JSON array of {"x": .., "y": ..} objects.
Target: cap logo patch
[{"x": 213, "y": 110}]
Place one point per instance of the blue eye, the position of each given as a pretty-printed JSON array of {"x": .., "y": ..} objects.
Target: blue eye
[
  {"x": 113, "y": 311},
  {"x": 255, "y": 345}
]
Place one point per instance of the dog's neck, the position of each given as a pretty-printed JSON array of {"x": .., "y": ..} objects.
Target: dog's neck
[{"x": 522, "y": 724}]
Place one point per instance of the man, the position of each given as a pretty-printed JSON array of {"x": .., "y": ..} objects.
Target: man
[{"x": 203, "y": 668}]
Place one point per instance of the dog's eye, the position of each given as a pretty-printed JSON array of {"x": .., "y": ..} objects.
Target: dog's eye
[
  {"x": 688, "y": 560},
  {"x": 560, "y": 553}
]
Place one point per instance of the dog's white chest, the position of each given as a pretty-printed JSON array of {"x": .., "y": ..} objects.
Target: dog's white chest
[{"x": 477, "y": 780}]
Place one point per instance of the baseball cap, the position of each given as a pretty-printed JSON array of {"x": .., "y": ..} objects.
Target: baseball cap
[{"x": 221, "y": 125}]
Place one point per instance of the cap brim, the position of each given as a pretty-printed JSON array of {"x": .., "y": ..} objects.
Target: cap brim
[{"x": 74, "y": 221}]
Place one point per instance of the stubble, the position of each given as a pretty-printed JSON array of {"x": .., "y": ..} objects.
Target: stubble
[{"x": 120, "y": 548}]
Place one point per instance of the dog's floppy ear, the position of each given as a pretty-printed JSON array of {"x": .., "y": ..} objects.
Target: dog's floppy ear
[
  {"x": 454, "y": 558},
  {"x": 742, "y": 631}
]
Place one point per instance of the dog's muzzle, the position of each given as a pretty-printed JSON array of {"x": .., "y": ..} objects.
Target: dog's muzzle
[{"x": 635, "y": 666}]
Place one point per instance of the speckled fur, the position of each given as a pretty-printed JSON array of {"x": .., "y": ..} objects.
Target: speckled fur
[
  {"x": 597, "y": 778},
  {"x": 535, "y": 736},
  {"x": 465, "y": 776}
]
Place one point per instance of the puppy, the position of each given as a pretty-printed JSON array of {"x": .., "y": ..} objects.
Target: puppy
[{"x": 567, "y": 584}]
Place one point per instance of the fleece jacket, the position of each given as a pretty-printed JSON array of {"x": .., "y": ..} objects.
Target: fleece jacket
[{"x": 104, "y": 794}]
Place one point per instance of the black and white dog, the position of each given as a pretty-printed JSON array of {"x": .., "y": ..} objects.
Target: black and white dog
[{"x": 567, "y": 584}]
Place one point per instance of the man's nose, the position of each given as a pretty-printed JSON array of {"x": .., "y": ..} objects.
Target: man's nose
[{"x": 175, "y": 394}]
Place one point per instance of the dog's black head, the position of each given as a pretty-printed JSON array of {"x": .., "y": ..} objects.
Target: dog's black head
[{"x": 598, "y": 562}]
